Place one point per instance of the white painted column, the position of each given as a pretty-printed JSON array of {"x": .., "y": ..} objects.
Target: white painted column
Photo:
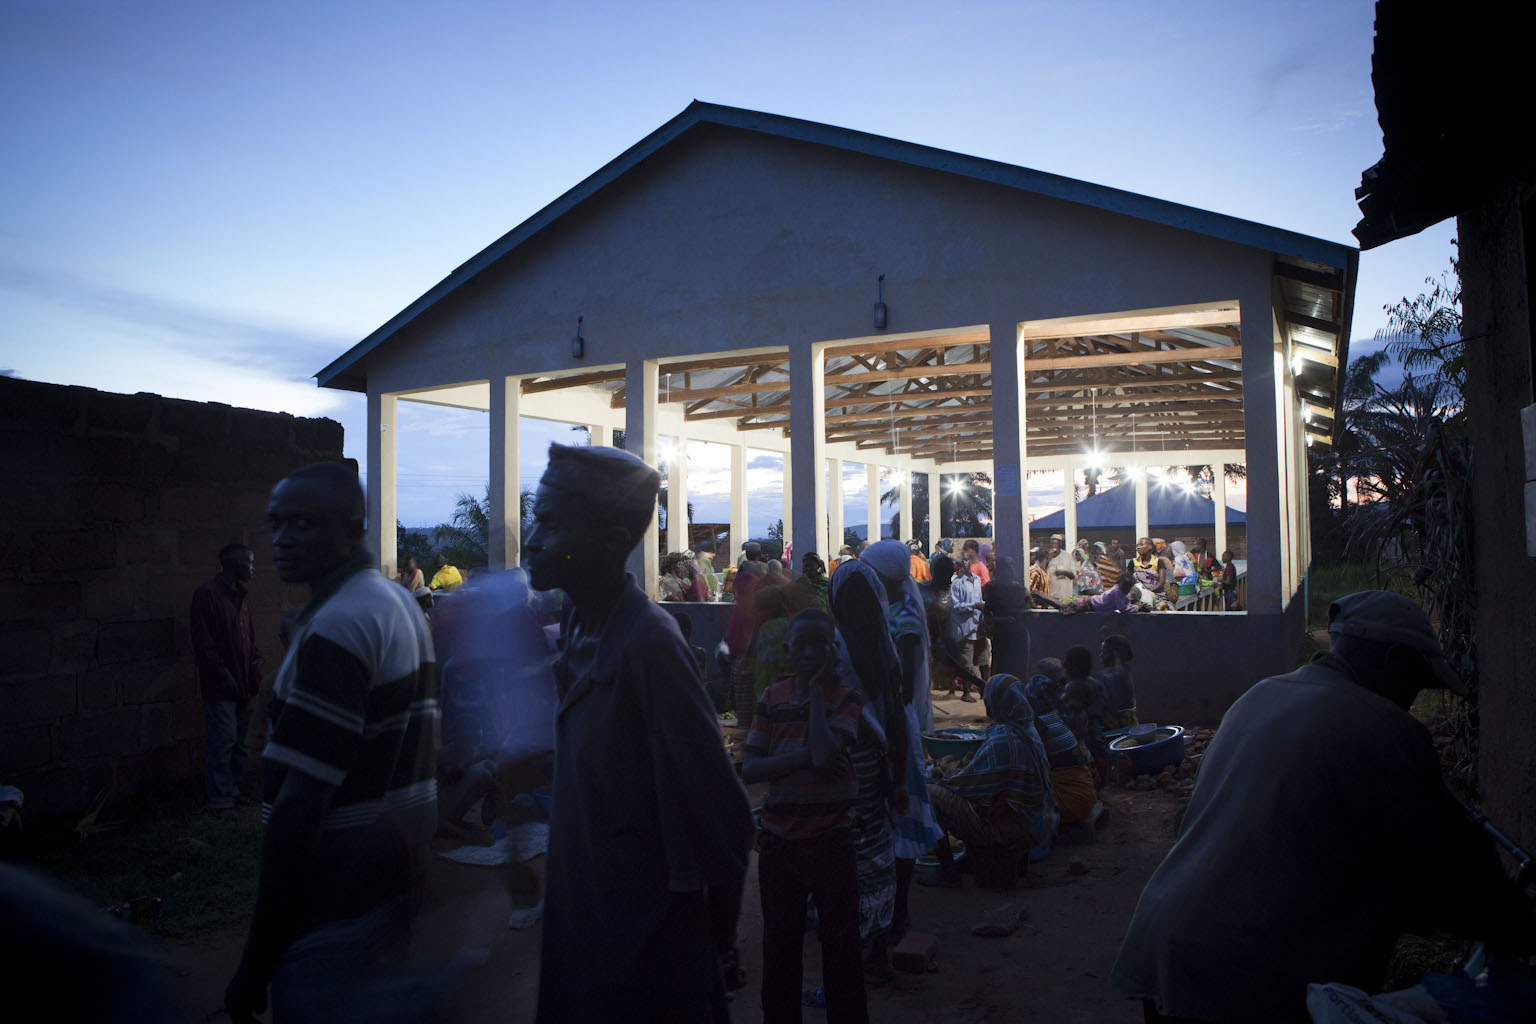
[
  {"x": 834, "y": 509},
  {"x": 602, "y": 435},
  {"x": 738, "y": 508},
  {"x": 935, "y": 509},
  {"x": 788, "y": 507},
  {"x": 1219, "y": 496},
  {"x": 1069, "y": 504},
  {"x": 381, "y": 480},
  {"x": 677, "y": 498},
  {"x": 1143, "y": 528},
  {"x": 505, "y": 528},
  {"x": 640, "y": 413},
  {"x": 904, "y": 530},
  {"x": 872, "y": 502},
  {"x": 805, "y": 466},
  {"x": 1262, "y": 380},
  {"x": 1010, "y": 483}
]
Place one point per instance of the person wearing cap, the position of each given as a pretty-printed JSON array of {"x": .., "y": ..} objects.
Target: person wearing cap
[
  {"x": 1318, "y": 830},
  {"x": 650, "y": 829}
]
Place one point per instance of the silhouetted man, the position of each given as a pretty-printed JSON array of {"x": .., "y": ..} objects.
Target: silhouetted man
[
  {"x": 649, "y": 827},
  {"x": 228, "y": 672},
  {"x": 349, "y": 771},
  {"x": 1319, "y": 829}
]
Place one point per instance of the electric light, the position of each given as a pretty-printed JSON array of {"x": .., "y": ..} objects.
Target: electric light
[{"x": 1295, "y": 365}]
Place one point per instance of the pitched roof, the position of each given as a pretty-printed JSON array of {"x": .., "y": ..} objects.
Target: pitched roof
[
  {"x": 1115, "y": 509},
  {"x": 344, "y": 371}
]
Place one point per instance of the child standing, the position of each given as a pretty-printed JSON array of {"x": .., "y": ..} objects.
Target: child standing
[
  {"x": 1085, "y": 708},
  {"x": 802, "y": 730}
]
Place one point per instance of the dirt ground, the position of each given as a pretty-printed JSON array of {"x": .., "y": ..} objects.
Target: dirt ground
[{"x": 1054, "y": 968}]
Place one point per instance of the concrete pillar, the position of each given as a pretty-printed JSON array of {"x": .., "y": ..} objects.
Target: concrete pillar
[
  {"x": 505, "y": 534},
  {"x": 1069, "y": 507},
  {"x": 787, "y": 506},
  {"x": 935, "y": 509},
  {"x": 1219, "y": 496},
  {"x": 640, "y": 414},
  {"x": 1143, "y": 527},
  {"x": 834, "y": 509},
  {"x": 904, "y": 527},
  {"x": 872, "y": 502},
  {"x": 738, "y": 507},
  {"x": 677, "y": 498},
  {"x": 805, "y": 474},
  {"x": 1010, "y": 529},
  {"x": 380, "y": 536},
  {"x": 1262, "y": 376},
  {"x": 602, "y": 435}
]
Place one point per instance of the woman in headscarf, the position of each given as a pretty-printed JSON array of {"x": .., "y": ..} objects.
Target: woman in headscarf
[
  {"x": 810, "y": 589},
  {"x": 1088, "y": 580},
  {"x": 916, "y": 830},
  {"x": 1002, "y": 801},
  {"x": 867, "y": 660},
  {"x": 1184, "y": 572},
  {"x": 740, "y": 631},
  {"x": 1071, "y": 763},
  {"x": 770, "y": 645}
]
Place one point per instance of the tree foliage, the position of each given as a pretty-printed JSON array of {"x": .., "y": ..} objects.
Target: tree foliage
[{"x": 1405, "y": 451}]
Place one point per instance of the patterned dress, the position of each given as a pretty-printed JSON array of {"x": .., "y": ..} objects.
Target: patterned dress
[{"x": 917, "y": 831}]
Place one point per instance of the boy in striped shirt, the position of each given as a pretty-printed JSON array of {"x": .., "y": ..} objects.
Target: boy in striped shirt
[{"x": 801, "y": 732}]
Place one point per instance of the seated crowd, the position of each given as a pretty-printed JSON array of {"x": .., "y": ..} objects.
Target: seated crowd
[{"x": 1102, "y": 577}]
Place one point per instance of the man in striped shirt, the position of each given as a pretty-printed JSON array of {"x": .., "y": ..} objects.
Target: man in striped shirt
[{"x": 349, "y": 770}]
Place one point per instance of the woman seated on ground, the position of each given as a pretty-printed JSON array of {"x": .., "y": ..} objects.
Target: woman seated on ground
[
  {"x": 1115, "y": 686},
  {"x": 1084, "y": 708},
  {"x": 1002, "y": 801},
  {"x": 1071, "y": 764}
]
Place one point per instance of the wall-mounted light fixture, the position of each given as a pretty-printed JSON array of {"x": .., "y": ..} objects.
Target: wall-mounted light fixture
[
  {"x": 880, "y": 303},
  {"x": 578, "y": 343}
]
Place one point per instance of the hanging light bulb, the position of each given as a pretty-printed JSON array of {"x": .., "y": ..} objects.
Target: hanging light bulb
[{"x": 1295, "y": 364}]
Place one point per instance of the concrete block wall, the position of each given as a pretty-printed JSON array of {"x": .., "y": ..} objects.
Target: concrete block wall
[{"x": 115, "y": 507}]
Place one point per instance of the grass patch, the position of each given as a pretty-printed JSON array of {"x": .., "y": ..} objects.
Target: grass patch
[
  {"x": 1416, "y": 955},
  {"x": 201, "y": 867},
  {"x": 1328, "y": 583}
]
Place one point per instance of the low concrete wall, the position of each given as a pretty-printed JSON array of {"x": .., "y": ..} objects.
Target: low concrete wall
[{"x": 1189, "y": 667}]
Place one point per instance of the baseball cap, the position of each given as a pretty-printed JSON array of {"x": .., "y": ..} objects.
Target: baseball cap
[{"x": 1387, "y": 618}]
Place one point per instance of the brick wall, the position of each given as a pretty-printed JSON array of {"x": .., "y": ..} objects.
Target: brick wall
[{"x": 114, "y": 510}]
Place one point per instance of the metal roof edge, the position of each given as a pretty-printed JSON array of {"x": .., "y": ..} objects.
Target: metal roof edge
[{"x": 1162, "y": 211}]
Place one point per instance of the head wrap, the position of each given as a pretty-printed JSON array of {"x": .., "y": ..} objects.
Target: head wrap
[
  {"x": 603, "y": 478},
  {"x": 893, "y": 563},
  {"x": 1011, "y": 765},
  {"x": 860, "y": 609}
]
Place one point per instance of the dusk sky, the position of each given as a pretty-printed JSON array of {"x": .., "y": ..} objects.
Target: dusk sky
[{"x": 213, "y": 200}]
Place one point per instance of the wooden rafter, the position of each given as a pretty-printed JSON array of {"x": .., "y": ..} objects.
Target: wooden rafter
[{"x": 1197, "y": 353}]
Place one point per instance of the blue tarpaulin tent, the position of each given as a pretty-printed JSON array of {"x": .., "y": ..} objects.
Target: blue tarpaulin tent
[{"x": 1115, "y": 509}]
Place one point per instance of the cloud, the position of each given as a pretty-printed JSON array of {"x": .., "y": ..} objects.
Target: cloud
[{"x": 289, "y": 352}]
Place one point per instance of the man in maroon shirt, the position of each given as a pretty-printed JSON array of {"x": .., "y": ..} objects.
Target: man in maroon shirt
[{"x": 228, "y": 671}]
